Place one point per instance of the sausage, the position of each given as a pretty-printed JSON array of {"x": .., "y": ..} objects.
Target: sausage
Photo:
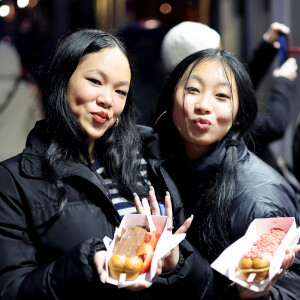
[{"x": 257, "y": 259}]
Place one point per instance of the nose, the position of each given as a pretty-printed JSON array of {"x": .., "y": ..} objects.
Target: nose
[
  {"x": 104, "y": 99},
  {"x": 203, "y": 104}
]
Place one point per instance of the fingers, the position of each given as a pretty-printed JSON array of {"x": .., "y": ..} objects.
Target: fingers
[
  {"x": 288, "y": 69},
  {"x": 288, "y": 259},
  {"x": 169, "y": 211},
  {"x": 138, "y": 205},
  {"x": 296, "y": 249},
  {"x": 185, "y": 226},
  {"x": 153, "y": 202},
  {"x": 280, "y": 28},
  {"x": 170, "y": 260},
  {"x": 166, "y": 255},
  {"x": 159, "y": 268},
  {"x": 271, "y": 35},
  {"x": 280, "y": 273},
  {"x": 99, "y": 261},
  {"x": 155, "y": 210}
]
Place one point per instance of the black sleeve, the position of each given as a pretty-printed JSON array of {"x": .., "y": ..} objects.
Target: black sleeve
[
  {"x": 272, "y": 124},
  {"x": 65, "y": 278},
  {"x": 193, "y": 277},
  {"x": 296, "y": 151},
  {"x": 262, "y": 59},
  {"x": 289, "y": 284},
  {"x": 286, "y": 288},
  {"x": 21, "y": 274}
]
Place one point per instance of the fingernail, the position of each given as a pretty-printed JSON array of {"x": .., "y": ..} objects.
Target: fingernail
[
  {"x": 167, "y": 193},
  {"x": 134, "y": 194},
  {"x": 280, "y": 271},
  {"x": 192, "y": 217},
  {"x": 151, "y": 188},
  {"x": 102, "y": 278},
  {"x": 148, "y": 284}
]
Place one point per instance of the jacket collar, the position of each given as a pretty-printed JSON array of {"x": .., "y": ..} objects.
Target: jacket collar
[{"x": 207, "y": 165}]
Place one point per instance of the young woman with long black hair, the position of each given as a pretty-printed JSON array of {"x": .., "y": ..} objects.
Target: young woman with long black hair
[
  {"x": 206, "y": 109},
  {"x": 75, "y": 180}
]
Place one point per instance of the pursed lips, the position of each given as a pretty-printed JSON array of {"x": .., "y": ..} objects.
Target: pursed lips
[{"x": 202, "y": 123}]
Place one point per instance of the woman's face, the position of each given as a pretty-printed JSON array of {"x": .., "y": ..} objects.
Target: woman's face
[
  {"x": 97, "y": 90},
  {"x": 204, "y": 107}
]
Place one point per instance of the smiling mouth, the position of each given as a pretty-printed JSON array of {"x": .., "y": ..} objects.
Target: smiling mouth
[{"x": 100, "y": 117}]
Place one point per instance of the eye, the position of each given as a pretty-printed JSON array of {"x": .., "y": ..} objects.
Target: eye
[
  {"x": 95, "y": 81},
  {"x": 223, "y": 96},
  {"x": 192, "y": 89},
  {"x": 123, "y": 93}
]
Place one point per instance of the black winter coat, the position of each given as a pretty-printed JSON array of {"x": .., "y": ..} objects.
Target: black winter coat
[
  {"x": 261, "y": 192},
  {"x": 48, "y": 257}
]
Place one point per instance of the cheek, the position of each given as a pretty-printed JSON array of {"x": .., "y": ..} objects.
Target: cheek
[
  {"x": 178, "y": 112},
  {"x": 118, "y": 107},
  {"x": 77, "y": 99},
  {"x": 224, "y": 115},
  {"x": 75, "y": 106}
]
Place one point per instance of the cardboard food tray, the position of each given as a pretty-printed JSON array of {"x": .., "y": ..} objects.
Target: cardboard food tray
[
  {"x": 227, "y": 262},
  {"x": 166, "y": 243}
]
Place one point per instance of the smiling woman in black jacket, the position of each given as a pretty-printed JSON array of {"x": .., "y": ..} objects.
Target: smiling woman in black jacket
[
  {"x": 206, "y": 109},
  {"x": 75, "y": 180}
]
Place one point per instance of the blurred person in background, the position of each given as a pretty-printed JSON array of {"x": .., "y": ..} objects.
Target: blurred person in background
[
  {"x": 271, "y": 124},
  {"x": 19, "y": 109},
  {"x": 143, "y": 40},
  {"x": 296, "y": 149}
]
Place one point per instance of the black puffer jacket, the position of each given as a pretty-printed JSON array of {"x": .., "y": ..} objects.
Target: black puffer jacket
[
  {"x": 261, "y": 192},
  {"x": 46, "y": 257}
]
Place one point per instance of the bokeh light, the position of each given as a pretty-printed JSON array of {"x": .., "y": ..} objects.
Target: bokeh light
[
  {"x": 33, "y": 3},
  {"x": 165, "y": 8},
  {"x": 4, "y": 11},
  {"x": 22, "y": 3}
]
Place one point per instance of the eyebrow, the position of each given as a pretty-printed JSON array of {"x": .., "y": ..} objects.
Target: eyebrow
[
  {"x": 197, "y": 77},
  {"x": 99, "y": 72}
]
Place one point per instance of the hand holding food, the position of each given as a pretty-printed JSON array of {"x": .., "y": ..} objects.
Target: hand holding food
[
  {"x": 171, "y": 260},
  {"x": 133, "y": 252},
  {"x": 245, "y": 293},
  {"x": 254, "y": 265}
]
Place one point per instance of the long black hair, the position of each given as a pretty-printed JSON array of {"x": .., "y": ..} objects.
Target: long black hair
[
  {"x": 118, "y": 147},
  {"x": 213, "y": 228}
]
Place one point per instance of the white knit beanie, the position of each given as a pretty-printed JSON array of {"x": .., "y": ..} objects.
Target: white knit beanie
[{"x": 185, "y": 39}]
